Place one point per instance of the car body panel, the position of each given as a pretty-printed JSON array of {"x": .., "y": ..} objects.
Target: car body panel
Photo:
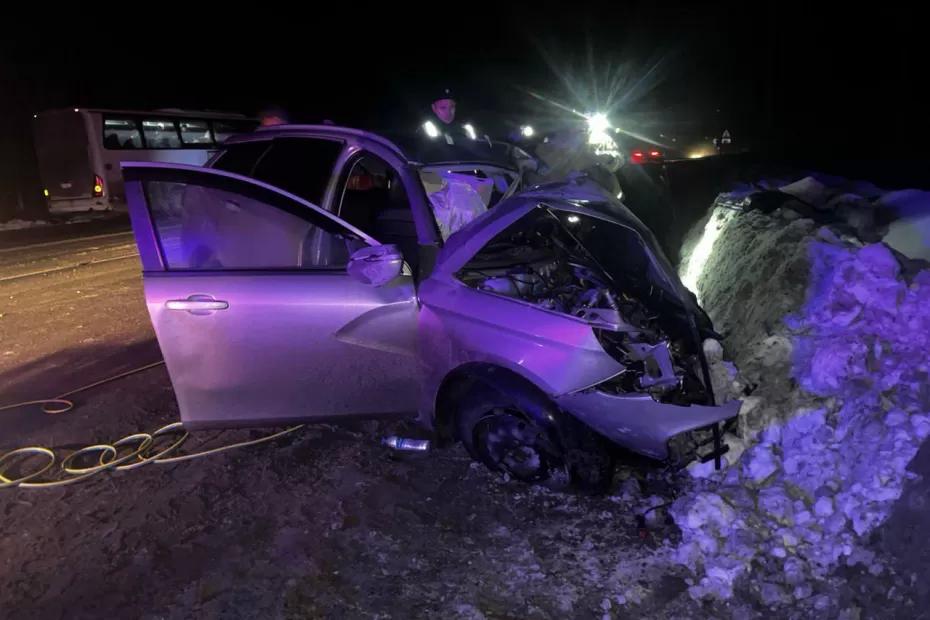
[
  {"x": 461, "y": 325},
  {"x": 289, "y": 346},
  {"x": 283, "y": 345}
]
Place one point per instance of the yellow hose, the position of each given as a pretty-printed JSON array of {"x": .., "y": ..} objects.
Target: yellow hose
[{"x": 133, "y": 460}]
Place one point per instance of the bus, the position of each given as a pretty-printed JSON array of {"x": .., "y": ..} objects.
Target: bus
[{"x": 79, "y": 150}]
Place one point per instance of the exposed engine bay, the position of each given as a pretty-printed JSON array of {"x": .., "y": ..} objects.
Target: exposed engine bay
[{"x": 595, "y": 271}]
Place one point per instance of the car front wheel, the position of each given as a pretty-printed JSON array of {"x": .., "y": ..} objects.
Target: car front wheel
[{"x": 509, "y": 438}]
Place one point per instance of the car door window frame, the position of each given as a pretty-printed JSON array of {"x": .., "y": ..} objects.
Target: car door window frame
[
  {"x": 279, "y": 139},
  {"x": 348, "y": 167},
  {"x": 346, "y": 153},
  {"x": 138, "y": 173}
]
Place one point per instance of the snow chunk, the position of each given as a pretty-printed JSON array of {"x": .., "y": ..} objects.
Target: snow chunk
[
  {"x": 760, "y": 465},
  {"x": 823, "y": 507},
  {"x": 809, "y": 190},
  {"x": 17, "y": 224}
]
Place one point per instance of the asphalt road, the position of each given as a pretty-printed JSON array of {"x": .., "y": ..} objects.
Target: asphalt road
[{"x": 71, "y": 311}]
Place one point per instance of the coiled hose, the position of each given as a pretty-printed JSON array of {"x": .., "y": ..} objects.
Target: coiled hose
[{"x": 109, "y": 459}]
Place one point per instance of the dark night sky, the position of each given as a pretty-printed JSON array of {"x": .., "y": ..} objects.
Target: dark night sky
[{"x": 777, "y": 73}]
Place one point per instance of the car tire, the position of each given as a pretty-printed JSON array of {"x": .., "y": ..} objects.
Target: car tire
[{"x": 507, "y": 437}]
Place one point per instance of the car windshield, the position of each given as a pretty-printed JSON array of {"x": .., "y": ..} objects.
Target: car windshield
[{"x": 460, "y": 193}]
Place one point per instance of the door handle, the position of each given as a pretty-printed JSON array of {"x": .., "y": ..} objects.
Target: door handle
[{"x": 195, "y": 305}]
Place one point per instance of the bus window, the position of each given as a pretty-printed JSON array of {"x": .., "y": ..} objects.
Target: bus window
[
  {"x": 121, "y": 133},
  {"x": 161, "y": 134},
  {"x": 195, "y": 132}
]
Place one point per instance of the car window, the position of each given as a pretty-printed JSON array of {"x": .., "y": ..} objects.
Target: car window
[
  {"x": 121, "y": 133},
  {"x": 241, "y": 158},
  {"x": 301, "y": 166},
  {"x": 224, "y": 129},
  {"x": 161, "y": 134},
  {"x": 374, "y": 200},
  {"x": 224, "y": 225}
]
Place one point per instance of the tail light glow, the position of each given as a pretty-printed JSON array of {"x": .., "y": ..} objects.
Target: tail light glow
[{"x": 98, "y": 186}]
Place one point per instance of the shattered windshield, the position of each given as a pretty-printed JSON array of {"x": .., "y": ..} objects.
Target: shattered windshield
[{"x": 460, "y": 193}]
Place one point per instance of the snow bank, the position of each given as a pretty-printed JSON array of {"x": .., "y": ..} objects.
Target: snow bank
[
  {"x": 835, "y": 340},
  {"x": 21, "y": 224},
  {"x": 900, "y": 219}
]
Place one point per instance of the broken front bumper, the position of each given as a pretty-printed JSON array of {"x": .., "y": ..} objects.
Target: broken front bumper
[{"x": 640, "y": 423}]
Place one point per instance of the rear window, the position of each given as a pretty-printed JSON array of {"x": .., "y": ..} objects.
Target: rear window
[
  {"x": 121, "y": 133},
  {"x": 161, "y": 134},
  {"x": 241, "y": 158},
  {"x": 61, "y": 147},
  {"x": 301, "y": 166}
]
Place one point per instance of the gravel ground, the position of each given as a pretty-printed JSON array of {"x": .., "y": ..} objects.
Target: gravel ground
[{"x": 322, "y": 523}]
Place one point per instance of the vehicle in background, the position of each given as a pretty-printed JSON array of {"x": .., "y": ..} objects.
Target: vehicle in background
[
  {"x": 79, "y": 150},
  {"x": 646, "y": 156},
  {"x": 638, "y": 151}
]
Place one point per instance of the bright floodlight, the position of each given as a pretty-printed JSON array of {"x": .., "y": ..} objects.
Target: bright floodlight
[
  {"x": 597, "y": 131},
  {"x": 430, "y": 129},
  {"x": 598, "y": 123},
  {"x": 573, "y": 219},
  {"x": 527, "y": 131},
  {"x": 470, "y": 131}
]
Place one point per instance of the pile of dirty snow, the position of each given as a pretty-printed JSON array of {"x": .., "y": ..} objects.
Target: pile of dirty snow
[
  {"x": 899, "y": 219},
  {"x": 831, "y": 336},
  {"x": 17, "y": 224}
]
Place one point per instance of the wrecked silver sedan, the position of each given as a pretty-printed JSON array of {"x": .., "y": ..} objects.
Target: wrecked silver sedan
[{"x": 318, "y": 273}]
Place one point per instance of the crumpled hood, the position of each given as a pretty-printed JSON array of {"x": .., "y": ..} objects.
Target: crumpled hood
[{"x": 583, "y": 198}]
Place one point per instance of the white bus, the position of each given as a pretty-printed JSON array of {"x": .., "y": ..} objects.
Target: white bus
[{"x": 79, "y": 150}]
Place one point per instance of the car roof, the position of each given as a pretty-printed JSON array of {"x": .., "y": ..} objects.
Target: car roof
[{"x": 412, "y": 148}]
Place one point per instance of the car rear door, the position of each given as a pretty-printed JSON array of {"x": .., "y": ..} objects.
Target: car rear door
[{"x": 255, "y": 314}]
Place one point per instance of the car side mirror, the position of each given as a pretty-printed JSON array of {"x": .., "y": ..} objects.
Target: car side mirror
[{"x": 376, "y": 265}]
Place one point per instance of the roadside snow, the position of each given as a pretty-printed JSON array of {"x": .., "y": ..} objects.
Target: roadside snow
[
  {"x": 75, "y": 218},
  {"x": 858, "y": 204},
  {"x": 809, "y": 190},
  {"x": 17, "y": 224},
  {"x": 834, "y": 339},
  {"x": 910, "y": 233}
]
